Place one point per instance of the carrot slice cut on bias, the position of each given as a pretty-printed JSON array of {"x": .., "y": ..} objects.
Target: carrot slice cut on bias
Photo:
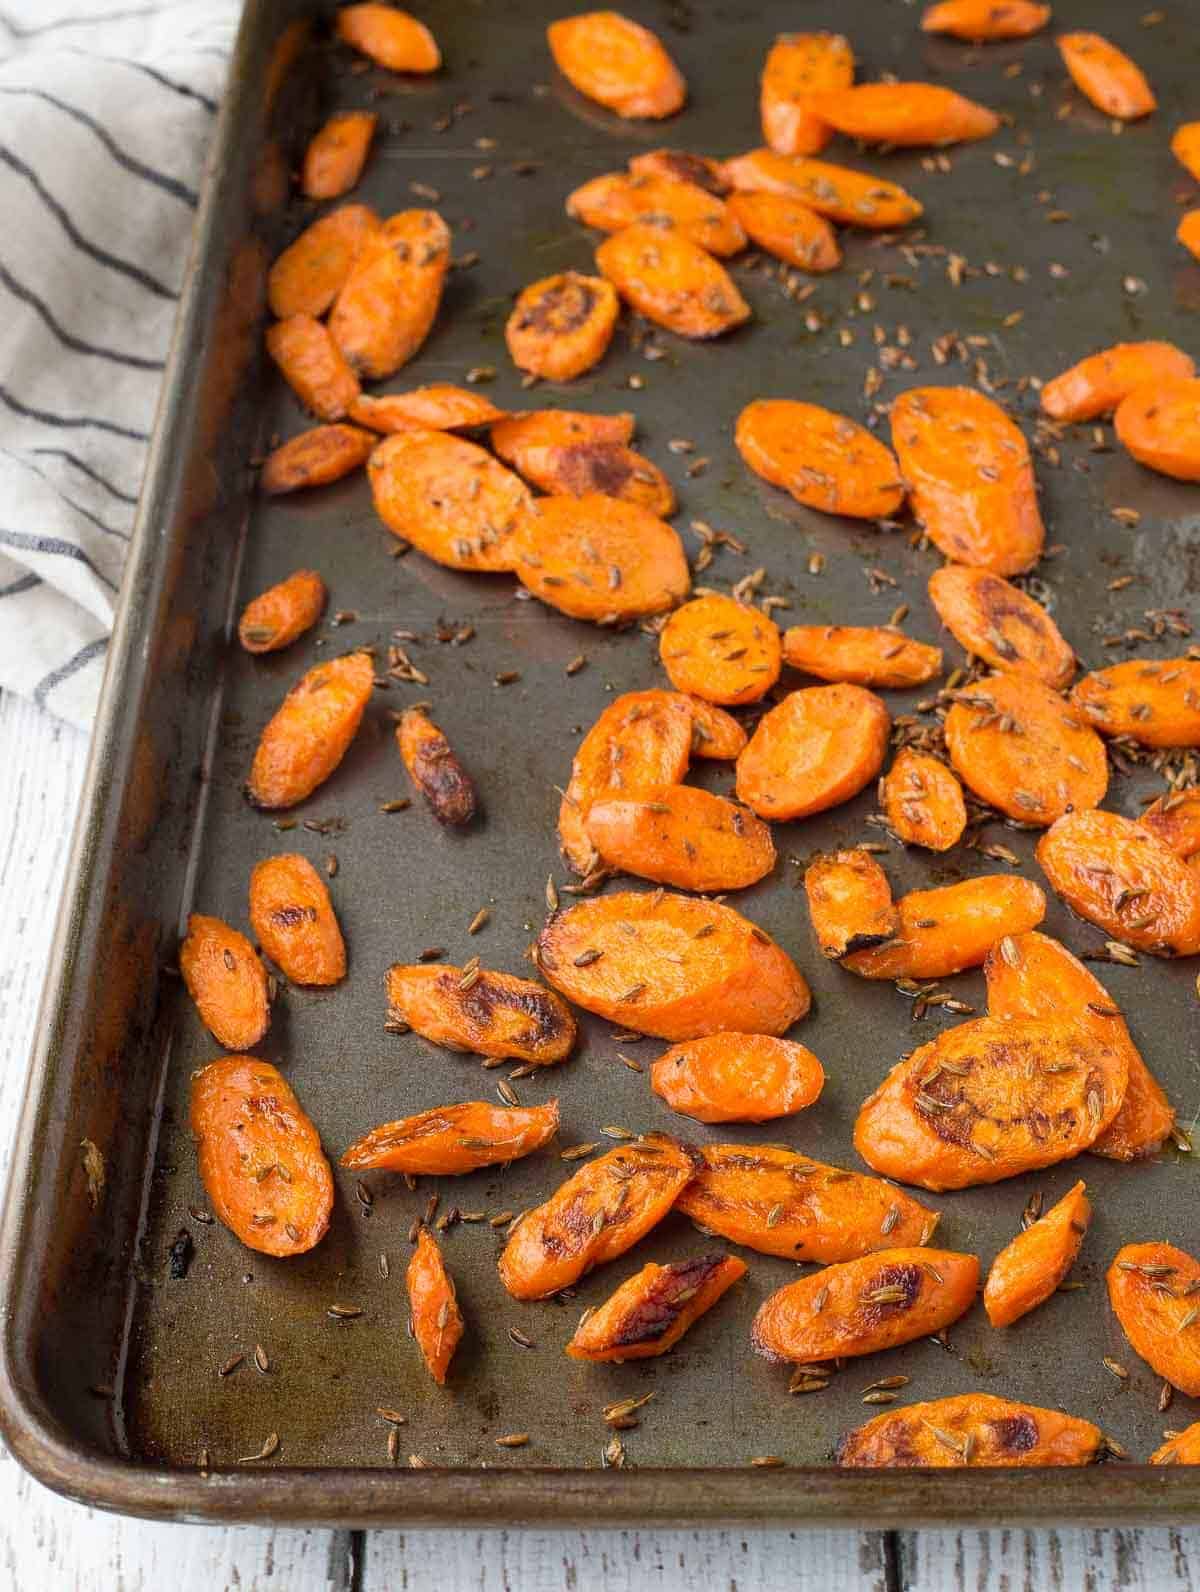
[
  {"x": 226, "y": 980},
  {"x": 311, "y": 731},
  {"x": 449, "y": 1140},
  {"x": 998, "y": 622},
  {"x": 853, "y": 198},
  {"x": 825, "y": 460},
  {"x": 311, "y": 272},
  {"x": 1026, "y": 1272},
  {"x": 981, "y": 21},
  {"x": 389, "y": 37},
  {"x": 950, "y": 928},
  {"x": 737, "y": 1078},
  {"x": 904, "y": 114},
  {"x": 850, "y": 902},
  {"x": 516, "y": 437},
  {"x": 923, "y": 801},
  {"x": 438, "y": 407},
  {"x": 437, "y": 1322},
  {"x": 722, "y": 650},
  {"x": 1152, "y": 1289},
  {"x": 334, "y": 160},
  {"x": 618, "y": 200},
  {"x": 672, "y": 281},
  {"x": 482, "y": 1012},
  {"x": 390, "y": 300},
  {"x": 874, "y": 655},
  {"x": 562, "y": 325},
  {"x": 434, "y": 768},
  {"x": 312, "y": 365},
  {"x": 971, "y": 1429},
  {"x": 577, "y": 469},
  {"x": 788, "y": 229},
  {"x": 818, "y": 748},
  {"x": 315, "y": 458},
  {"x": 1159, "y": 425},
  {"x": 799, "y": 65},
  {"x": 599, "y": 558},
  {"x": 1097, "y": 384},
  {"x": 618, "y": 63},
  {"x": 1106, "y": 76},
  {"x": 293, "y": 917},
  {"x": 681, "y": 165},
  {"x": 678, "y": 835},
  {"x": 280, "y": 615},
  {"x": 651, "y": 1312},
  {"x": 1156, "y": 702}
]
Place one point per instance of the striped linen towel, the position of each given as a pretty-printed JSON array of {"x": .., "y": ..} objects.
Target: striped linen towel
[{"x": 106, "y": 111}]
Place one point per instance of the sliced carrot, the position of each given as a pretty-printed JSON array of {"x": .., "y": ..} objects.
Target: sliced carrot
[
  {"x": 596, "y": 1215},
  {"x": 448, "y": 497},
  {"x": 670, "y": 965},
  {"x": 1029, "y": 1269},
  {"x": 293, "y": 917},
  {"x": 334, "y": 159},
  {"x": 517, "y": 436},
  {"x": 715, "y": 733},
  {"x": 1182, "y": 1449},
  {"x": 825, "y": 460},
  {"x": 1155, "y": 702},
  {"x": 1188, "y": 232},
  {"x": 437, "y": 1322},
  {"x": 1159, "y": 425},
  {"x": 315, "y": 458},
  {"x": 1152, "y": 1289},
  {"x": 852, "y": 198},
  {"x": 970, "y": 477},
  {"x": 682, "y": 836},
  {"x": 617, "y": 63},
  {"x": 1185, "y": 146},
  {"x": 720, "y": 650},
  {"x": 874, "y": 655},
  {"x": 737, "y": 1078},
  {"x": 226, "y": 980},
  {"x": 618, "y": 199},
  {"x": 434, "y": 768},
  {"x": 389, "y": 37},
  {"x": 599, "y": 558},
  {"x": 1123, "y": 878},
  {"x": 971, "y": 1429},
  {"x": 1097, "y": 384},
  {"x": 818, "y": 748},
  {"x": 311, "y": 272},
  {"x": 850, "y": 902},
  {"x": 1175, "y": 819},
  {"x": 650, "y": 1312},
  {"x": 944, "y": 930},
  {"x": 310, "y": 731},
  {"x": 562, "y": 325},
  {"x": 481, "y": 1012},
  {"x": 787, "y": 228},
  {"x": 282, "y": 613},
  {"x": 862, "y": 1306},
  {"x": 582, "y": 468},
  {"x": 981, "y": 21},
  {"x": 312, "y": 366},
  {"x": 672, "y": 281},
  {"x": 1106, "y": 76},
  {"x": 260, "y": 1158},
  {"x": 1020, "y": 747},
  {"x": 998, "y": 622},
  {"x": 683, "y": 166},
  {"x": 390, "y": 300},
  {"x": 449, "y": 1140},
  {"x": 799, "y": 65},
  {"x": 904, "y": 114},
  {"x": 923, "y": 801},
  {"x": 438, "y": 407}
]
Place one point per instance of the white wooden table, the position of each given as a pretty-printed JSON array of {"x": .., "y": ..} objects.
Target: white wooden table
[{"x": 45, "y": 1541}]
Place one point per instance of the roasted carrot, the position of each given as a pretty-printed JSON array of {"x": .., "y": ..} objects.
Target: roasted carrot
[
  {"x": 1106, "y": 76},
  {"x": 481, "y": 1012},
  {"x": 825, "y": 460},
  {"x": 1152, "y": 1288},
  {"x": 904, "y": 114},
  {"x": 852, "y": 198},
  {"x": 1188, "y": 232},
  {"x": 1185, "y": 146},
  {"x": 562, "y": 325},
  {"x": 944, "y": 930},
  {"x": 1097, "y": 384},
  {"x": 850, "y": 902},
  {"x": 672, "y": 281},
  {"x": 1020, "y": 747},
  {"x": 862, "y": 1306},
  {"x": 579, "y": 469},
  {"x": 1156, "y": 702},
  {"x": 1182, "y": 1449},
  {"x": 1159, "y": 425},
  {"x": 596, "y": 1215},
  {"x": 334, "y": 160},
  {"x": 389, "y": 37},
  {"x": 516, "y": 437},
  {"x": 1029, "y": 1269},
  {"x": 451, "y": 1139},
  {"x": 683, "y": 166},
  {"x": 818, "y": 748},
  {"x": 1175, "y": 819},
  {"x": 226, "y": 980},
  {"x": 875, "y": 655},
  {"x": 799, "y": 65},
  {"x": 390, "y": 299},
  {"x": 670, "y": 965},
  {"x": 737, "y": 1078},
  {"x": 771, "y": 1199},
  {"x": 315, "y": 458},
  {"x": 991, "y": 1099},
  {"x": 1123, "y": 878},
  {"x": 975, "y": 1429},
  {"x": 715, "y": 733},
  {"x": 721, "y": 650},
  {"x": 438, "y": 407},
  {"x": 998, "y": 622},
  {"x": 313, "y": 366},
  {"x": 787, "y": 228},
  {"x": 260, "y": 1158},
  {"x": 293, "y": 917},
  {"x": 970, "y": 478},
  {"x": 617, "y": 63},
  {"x": 682, "y": 836},
  {"x": 437, "y": 1322},
  {"x": 448, "y": 497},
  {"x": 981, "y": 21},
  {"x": 617, "y": 200},
  {"x": 282, "y": 613},
  {"x": 650, "y": 1312},
  {"x": 310, "y": 731},
  {"x": 311, "y": 272},
  {"x": 922, "y": 801},
  {"x": 599, "y": 558},
  {"x": 435, "y": 769}
]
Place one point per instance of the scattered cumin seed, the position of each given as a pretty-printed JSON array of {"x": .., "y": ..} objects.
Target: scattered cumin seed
[
  {"x": 269, "y": 1447},
  {"x": 1115, "y": 1367},
  {"x": 231, "y": 1364},
  {"x": 513, "y": 1440},
  {"x": 478, "y": 921},
  {"x": 519, "y": 1338},
  {"x": 344, "y": 1312},
  {"x": 501, "y": 1219},
  {"x": 262, "y": 1363}
]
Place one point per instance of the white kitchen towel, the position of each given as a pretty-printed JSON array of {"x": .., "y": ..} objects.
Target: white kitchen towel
[{"x": 107, "y": 108}]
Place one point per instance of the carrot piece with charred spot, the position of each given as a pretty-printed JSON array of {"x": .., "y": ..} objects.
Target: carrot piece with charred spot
[
  {"x": 334, "y": 160},
  {"x": 292, "y": 915},
  {"x": 1185, "y": 146},
  {"x": 721, "y": 650},
  {"x": 1106, "y": 76},
  {"x": 311, "y": 731},
  {"x": 1152, "y": 1288},
  {"x": 583, "y": 465},
  {"x": 562, "y": 325},
  {"x": 311, "y": 272},
  {"x": 971, "y": 1429},
  {"x": 799, "y": 65},
  {"x": 481, "y": 1012},
  {"x": 312, "y": 365},
  {"x": 315, "y": 458},
  {"x": 715, "y": 733},
  {"x": 1001, "y": 624},
  {"x": 1175, "y": 819},
  {"x": 871, "y": 655},
  {"x": 618, "y": 63},
  {"x": 737, "y": 1078},
  {"x": 282, "y": 613},
  {"x": 438, "y": 407},
  {"x": 1097, "y": 384},
  {"x": 681, "y": 165},
  {"x": 850, "y": 902},
  {"x": 851, "y": 198},
  {"x": 982, "y": 21},
  {"x": 617, "y": 199},
  {"x": 787, "y": 228},
  {"x": 825, "y": 460},
  {"x": 226, "y": 980},
  {"x": 943, "y": 931},
  {"x": 672, "y": 281},
  {"x": 1029, "y": 1269},
  {"x": 1182, "y": 1449},
  {"x": 651, "y": 1311},
  {"x": 678, "y": 835},
  {"x": 922, "y": 801},
  {"x": 904, "y": 115},
  {"x": 435, "y": 770},
  {"x": 389, "y": 37},
  {"x": 599, "y": 558},
  {"x": 1154, "y": 701},
  {"x": 390, "y": 300},
  {"x": 449, "y": 1140},
  {"x": 1159, "y": 424},
  {"x": 517, "y": 437},
  {"x": 816, "y": 749},
  {"x": 437, "y": 1322}
]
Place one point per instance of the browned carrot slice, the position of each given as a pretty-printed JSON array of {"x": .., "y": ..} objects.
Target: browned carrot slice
[
  {"x": 672, "y": 281},
  {"x": 312, "y": 366},
  {"x": 650, "y": 1312},
  {"x": 971, "y": 1429},
  {"x": 850, "y": 902},
  {"x": 260, "y": 1157},
  {"x": 945, "y": 930},
  {"x": 904, "y": 114},
  {"x": 1097, "y": 384},
  {"x": 279, "y": 615},
  {"x": 737, "y": 1078},
  {"x": 1159, "y": 425},
  {"x": 818, "y": 748},
  {"x": 390, "y": 301},
  {"x": 670, "y": 965},
  {"x": 787, "y": 228},
  {"x": 594, "y": 1216},
  {"x": 562, "y": 325},
  {"x": 516, "y": 436},
  {"x": 311, "y": 731},
  {"x": 586, "y": 464},
  {"x": 292, "y": 915},
  {"x": 862, "y": 1306},
  {"x": 390, "y": 37},
  {"x": 1020, "y": 747},
  {"x": 311, "y": 272},
  {"x": 482, "y": 1012},
  {"x": 451, "y": 1139},
  {"x": 1106, "y": 76},
  {"x": 715, "y": 733},
  {"x": 875, "y": 655},
  {"x": 682, "y": 166},
  {"x": 617, "y": 63},
  {"x": 981, "y": 21},
  {"x": 334, "y": 160},
  {"x": 226, "y": 980},
  {"x": 434, "y": 768},
  {"x": 1185, "y": 146},
  {"x": 825, "y": 460},
  {"x": 1155, "y": 702},
  {"x": 618, "y": 200},
  {"x": 1152, "y": 1290},
  {"x": 720, "y": 650},
  {"x": 438, "y": 407},
  {"x": 598, "y": 558},
  {"x": 1175, "y": 819},
  {"x": 1026, "y": 1272},
  {"x": 437, "y": 1322},
  {"x": 1188, "y": 232},
  {"x": 448, "y": 497},
  {"x": 852, "y": 198},
  {"x": 970, "y": 478},
  {"x": 315, "y": 458},
  {"x": 1181, "y": 1449},
  {"x": 799, "y": 65},
  {"x": 678, "y": 835},
  {"x": 1000, "y": 623},
  {"x": 923, "y": 801}
]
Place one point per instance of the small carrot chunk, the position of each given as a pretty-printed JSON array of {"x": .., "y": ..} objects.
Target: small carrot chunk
[
  {"x": 863, "y": 1306},
  {"x": 904, "y": 115},
  {"x": 1159, "y": 426},
  {"x": 1023, "y": 749},
  {"x": 682, "y": 836},
  {"x": 650, "y": 1312},
  {"x": 227, "y": 982},
  {"x": 580, "y": 469},
  {"x": 1185, "y": 146},
  {"x": 1152, "y": 1290},
  {"x": 825, "y": 460},
  {"x": 1175, "y": 819},
  {"x": 334, "y": 160},
  {"x": 260, "y": 1158},
  {"x": 389, "y": 37},
  {"x": 970, "y": 477},
  {"x": 874, "y": 655},
  {"x": 923, "y": 801},
  {"x": 311, "y": 272},
  {"x": 293, "y": 917},
  {"x": 799, "y": 65},
  {"x": 618, "y": 63},
  {"x": 390, "y": 300},
  {"x": 282, "y": 613},
  {"x": 737, "y": 1078},
  {"x": 715, "y": 733},
  {"x": 1154, "y": 701},
  {"x": 672, "y": 281},
  {"x": 850, "y": 902},
  {"x": 670, "y": 965},
  {"x": 310, "y": 731},
  {"x": 437, "y": 1322},
  {"x": 1182, "y": 1449},
  {"x": 1106, "y": 76},
  {"x": 953, "y": 927},
  {"x": 617, "y": 200},
  {"x": 313, "y": 366},
  {"x": 438, "y": 407},
  {"x": 481, "y": 1012},
  {"x": 449, "y": 1140},
  {"x": 982, "y": 21},
  {"x": 682, "y": 166},
  {"x": 562, "y": 325},
  {"x": 1097, "y": 384},
  {"x": 1188, "y": 233},
  {"x": 435, "y": 770},
  {"x": 851, "y": 198},
  {"x": 599, "y": 558},
  {"x": 971, "y": 1429},
  {"x": 316, "y": 457},
  {"x": 596, "y": 1215},
  {"x": 818, "y": 748},
  {"x": 787, "y": 228},
  {"x": 721, "y": 650},
  {"x": 1000, "y": 623},
  {"x": 1026, "y": 1272}
]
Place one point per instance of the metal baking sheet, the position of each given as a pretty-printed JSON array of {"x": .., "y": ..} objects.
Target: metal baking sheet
[{"x": 110, "y": 1386}]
